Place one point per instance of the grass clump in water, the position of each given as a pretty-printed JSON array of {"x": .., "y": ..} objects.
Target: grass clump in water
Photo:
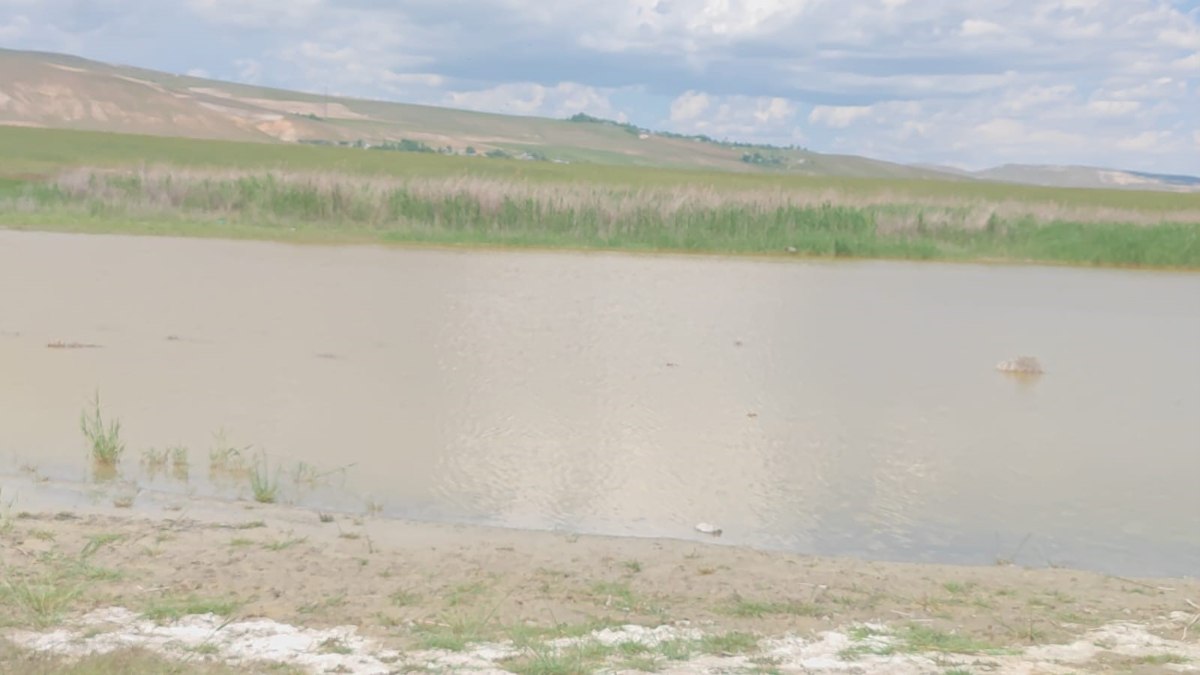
[
  {"x": 104, "y": 440},
  {"x": 264, "y": 485}
]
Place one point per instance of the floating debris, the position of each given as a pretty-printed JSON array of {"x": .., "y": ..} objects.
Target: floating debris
[
  {"x": 1022, "y": 365},
  {"x": 59, "y": 344},
  {"x": 708, "y": 528}
]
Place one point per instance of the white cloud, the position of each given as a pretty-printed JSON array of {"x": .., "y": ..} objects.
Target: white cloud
[
  {"x": 1196, "y": 138},
  {"x": 1146, "y": 141},
  {"x": 1110, "y": 108},
  {"x": 979, "y": 27},
  {"x": 527, "y": 98},
  {"x": 838, "y": 117},
  {"x": 255, "y": 13},
  {"x": 1185, "y": 38},
  {"x": 760, "y": 118},
  {"x": 1020, "y": 100},
  {"x": 1188, "y": 63},
  {"x": 689, "y": 106}
]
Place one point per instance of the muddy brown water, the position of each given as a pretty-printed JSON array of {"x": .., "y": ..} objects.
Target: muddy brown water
[{"x": 830, "y": 408}]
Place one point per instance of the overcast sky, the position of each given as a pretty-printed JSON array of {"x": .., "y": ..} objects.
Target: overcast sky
[{"x": 965, "y": 82}]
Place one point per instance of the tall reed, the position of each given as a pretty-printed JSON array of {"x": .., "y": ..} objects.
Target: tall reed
[{"x": 473, "y": 209}]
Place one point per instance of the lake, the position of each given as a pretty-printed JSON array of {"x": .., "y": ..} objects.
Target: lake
[{"x": 834, "y": 408}]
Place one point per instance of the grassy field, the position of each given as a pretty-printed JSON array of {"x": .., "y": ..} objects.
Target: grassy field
[{"x": 98, "y": 182}]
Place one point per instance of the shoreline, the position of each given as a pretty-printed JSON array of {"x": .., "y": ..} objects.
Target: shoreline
[
  {"x": 431, "y": 593},
  {"x": 314, "y": 238}
]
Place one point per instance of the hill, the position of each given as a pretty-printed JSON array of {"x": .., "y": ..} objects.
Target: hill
[
  {"x": 58, "y": 91},
  {"x": 1088, "y": 177}
]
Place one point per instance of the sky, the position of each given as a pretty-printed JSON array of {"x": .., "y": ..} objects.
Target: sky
[{"x": 967, "y": 83}]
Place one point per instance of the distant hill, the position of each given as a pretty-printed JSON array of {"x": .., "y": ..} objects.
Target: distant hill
[
  {"x": 60, "y": 91},
  {"x": 1088, "y": 177}
]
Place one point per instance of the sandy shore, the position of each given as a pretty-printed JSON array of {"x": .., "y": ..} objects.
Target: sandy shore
[{"x": 377, "y": 596}]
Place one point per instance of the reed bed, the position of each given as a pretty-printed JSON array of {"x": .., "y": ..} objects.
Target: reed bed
[{"x": 469, "y": 209}]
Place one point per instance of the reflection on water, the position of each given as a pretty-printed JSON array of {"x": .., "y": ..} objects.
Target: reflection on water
[{"x": 828, "y": 408}]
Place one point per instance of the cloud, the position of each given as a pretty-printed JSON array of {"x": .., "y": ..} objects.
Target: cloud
[
  {"x": 1146, "y": 141},
  {"x": 977, "y": 27},
  {"x": 689, "y": 107},
  {"x": 528, "y": 98},
  {"x": 838, "y": 117},
  {"x": 256, "y": 13},
  {"x": 1109, "y": 108},
  {"x": 760, "y": 118}
]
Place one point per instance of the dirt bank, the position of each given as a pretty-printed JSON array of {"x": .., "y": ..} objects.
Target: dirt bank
[{"x": 380, "y": 595}]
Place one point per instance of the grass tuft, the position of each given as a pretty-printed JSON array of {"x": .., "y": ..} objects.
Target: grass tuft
[
  {"x": 263, "y": 484},
  {"x": 104, "y": 440},
  {"x": 173, "y": 608},
  {"x": 733, "y": 642}
]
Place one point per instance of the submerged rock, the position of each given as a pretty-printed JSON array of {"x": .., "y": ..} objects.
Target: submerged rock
[{"x": 1022, "y": 365}]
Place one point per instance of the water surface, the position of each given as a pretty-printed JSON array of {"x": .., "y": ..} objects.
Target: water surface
[{"x": 831, "y": 408}]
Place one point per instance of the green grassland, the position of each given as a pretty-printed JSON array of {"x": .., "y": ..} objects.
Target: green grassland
[{"x": 84, "y": 181}]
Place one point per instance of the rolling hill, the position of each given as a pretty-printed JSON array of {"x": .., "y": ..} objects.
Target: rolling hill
[{"x": 66, "y": 92}]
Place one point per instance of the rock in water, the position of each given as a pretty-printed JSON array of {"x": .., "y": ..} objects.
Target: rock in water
[
  {"x": 708, "y": 528},
  {"x": 1022, "y": 365}
]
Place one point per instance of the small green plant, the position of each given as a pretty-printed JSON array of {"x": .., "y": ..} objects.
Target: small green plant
[
  {"x": 580, "y": 659},
  {"x": 958, "y": 588},
  {"x": 1163, "y": 659},
  {"x": 104, "y": 440},
  {"x": 264, "y": 486},
  {"x": 6, "y": 506},
  {"x": 404, "y": 598},
  {"x": 154, "y": 461},
  {"x": 676, "y": 650},
  {"x": 225, "y": 459},
  {"x": 327, "y": 603},
  {"x": 615, "y": 593},
  {"x": 755, "y": 609},
  {"x": 171, "y": 608},
  {"x": 179, "y": 462},
  {"x": 728, "y": 643},
  {"x": 284, "y": 544},
  {"x": 920, "y": 638},
  {"x": 205, "y": 649},
  {"x": 42, "y": 601}
]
